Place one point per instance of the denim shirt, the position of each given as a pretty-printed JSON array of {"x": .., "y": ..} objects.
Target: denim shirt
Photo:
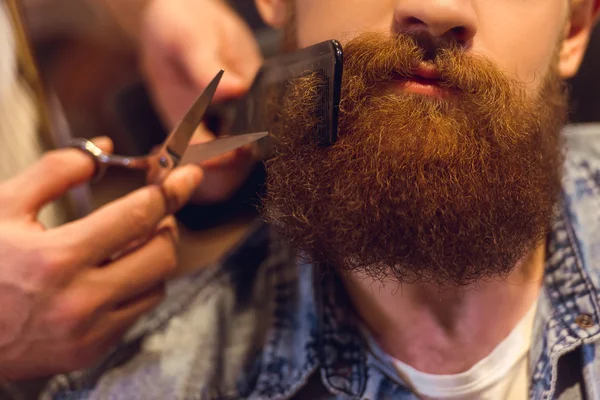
[{"x": 262, "y": 326}]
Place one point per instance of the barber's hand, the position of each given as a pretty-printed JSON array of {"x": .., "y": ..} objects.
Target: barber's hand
[
  {"x": 67, "y": 295},
  {"x": 184, "y": 44}
]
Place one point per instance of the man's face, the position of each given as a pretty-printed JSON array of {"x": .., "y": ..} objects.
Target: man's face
[
  {"x": 447, "y": 167},
  {"x": 519, "y": 36}
]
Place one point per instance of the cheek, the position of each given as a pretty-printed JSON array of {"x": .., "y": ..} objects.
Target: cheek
[
  {"x": 319, "y": 20},
  {"x": 521, "y": 36}
]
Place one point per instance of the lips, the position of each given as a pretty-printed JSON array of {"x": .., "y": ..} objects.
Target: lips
[
  {"x": 426, "y": 74},
  {"x": 425, "y": 79}
]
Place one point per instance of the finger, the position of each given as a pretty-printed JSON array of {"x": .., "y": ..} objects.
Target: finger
[
  {"x": 119, "y": 320},
  {"x": 168, "y": 223},
  {"x": 177, "y": 82},
  {"x": 49, "y": 178},
  {"x": 201, "y": 65},
  {"x": 127, "y": 314},
  {"x": 104, "y": 143},
  {"x": 223, "y": 177},
  {"x": 109, "y": 330},
  {"x": 231, "y": 85},
  {"x": 136, "y": 272},
  {"x": 171, "y": 90},
  {"x": 246, "y": 59},
  {"x": 238, "y": 49},
  {"x": 113, "y": 227},
  {"x": 105, "y": 333},
  {"x": 178, "y": 76}
]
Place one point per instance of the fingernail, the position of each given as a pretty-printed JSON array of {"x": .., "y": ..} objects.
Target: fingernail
[
  {"x": 234, "y": 82},
  {"x": 232, "y": 77}
]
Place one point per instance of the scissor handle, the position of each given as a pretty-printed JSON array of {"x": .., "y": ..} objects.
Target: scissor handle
[{"x": 104, "y": 160}]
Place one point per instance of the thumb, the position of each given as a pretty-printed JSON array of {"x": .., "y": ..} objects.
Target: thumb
[
  {"x": 202, "y": 67},
  {"x": 51, "y": 177},
  {"x": 104, "y": 143}
]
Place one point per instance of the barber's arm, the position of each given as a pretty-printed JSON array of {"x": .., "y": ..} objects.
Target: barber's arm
[
  {"x": 68, "y": 294},
  {"x": 184, "y": 43}
]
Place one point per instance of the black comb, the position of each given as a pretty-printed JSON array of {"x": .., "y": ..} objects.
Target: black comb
[{"x": 247, "y": 114}]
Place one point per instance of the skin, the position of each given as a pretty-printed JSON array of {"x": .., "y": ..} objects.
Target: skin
[
  {"x": 61, "y": 311},
  {"x": 68, "y": 294},
  {"x": 447, "y": 331},
  {"x": 184, "y": 43}
]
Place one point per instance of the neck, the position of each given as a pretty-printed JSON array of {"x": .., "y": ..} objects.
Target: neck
[{"x": 445, "y": 331}]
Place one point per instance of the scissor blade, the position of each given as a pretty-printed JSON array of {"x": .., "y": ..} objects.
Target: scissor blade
[
  {"x": 205, "y": 151},
  {"x": 178, "y": 141}
]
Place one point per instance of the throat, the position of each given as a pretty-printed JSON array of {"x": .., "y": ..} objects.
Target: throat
[{"x": 445, "y": 331}]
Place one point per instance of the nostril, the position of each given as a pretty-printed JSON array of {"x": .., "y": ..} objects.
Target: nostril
[
  {"x": 460, "y": 33},
  {"x": 414, "y": 21}
]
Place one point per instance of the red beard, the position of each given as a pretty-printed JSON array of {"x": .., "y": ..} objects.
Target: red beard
[{"x": 417, "y": 188}]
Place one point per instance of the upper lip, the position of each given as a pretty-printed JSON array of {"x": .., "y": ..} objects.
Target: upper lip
[{"x": 427, "y": 71}]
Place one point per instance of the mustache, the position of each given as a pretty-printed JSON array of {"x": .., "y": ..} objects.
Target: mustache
[{"x": 380, "y": 58}]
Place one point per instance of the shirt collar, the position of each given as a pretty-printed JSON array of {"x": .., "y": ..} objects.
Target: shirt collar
[
  {"x": 315, "y": 328},
  {"x": 567, "y": 298},
  {"x": 314, "y": 331}
]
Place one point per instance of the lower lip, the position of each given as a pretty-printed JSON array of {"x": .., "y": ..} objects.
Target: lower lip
[{"x": 423, "y": 88}]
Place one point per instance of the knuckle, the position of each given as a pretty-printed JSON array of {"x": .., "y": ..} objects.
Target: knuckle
[
  {"x": 168, "y": 228},
  {"x": 54, "y": 264},
  {"x": 174, "y": 200},
  {"x": 169, "y": 222},
  {"x": 141, "y": 218},
  {"x": 177, "y": 189},
  {"x": 71, "y": 316},
  {"x": 168, "y": 252},
  {"x": 51, "y": 268},
  {"x": 55, "y": 160}
]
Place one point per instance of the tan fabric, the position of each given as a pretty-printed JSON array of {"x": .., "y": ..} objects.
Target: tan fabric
[{"x": 20, "y": 144}]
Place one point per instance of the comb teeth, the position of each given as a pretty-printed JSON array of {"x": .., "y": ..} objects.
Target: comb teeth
[{"x": 246, "y": 114}]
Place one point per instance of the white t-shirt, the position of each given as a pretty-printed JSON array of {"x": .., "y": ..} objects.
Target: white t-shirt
[{"x": 502, "y": 375}]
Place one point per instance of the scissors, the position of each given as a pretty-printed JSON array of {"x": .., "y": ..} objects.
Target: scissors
[{"x": 175, "y": 150}]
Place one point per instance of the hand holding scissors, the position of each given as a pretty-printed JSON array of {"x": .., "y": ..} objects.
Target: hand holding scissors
[
  {"x": 88, "y": 281},
  {"x": 175, "y": 150}
]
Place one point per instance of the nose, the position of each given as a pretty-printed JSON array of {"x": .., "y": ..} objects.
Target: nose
[{"x": 454, "y": 19}]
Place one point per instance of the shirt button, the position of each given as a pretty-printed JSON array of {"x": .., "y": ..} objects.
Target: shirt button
[{"x": 584, "y": 320}]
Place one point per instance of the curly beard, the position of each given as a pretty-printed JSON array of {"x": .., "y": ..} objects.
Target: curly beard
[{"x": 447, "y": 190}]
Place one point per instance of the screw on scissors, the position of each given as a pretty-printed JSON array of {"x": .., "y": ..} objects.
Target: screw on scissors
[{"x": 168, "y": 156}]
